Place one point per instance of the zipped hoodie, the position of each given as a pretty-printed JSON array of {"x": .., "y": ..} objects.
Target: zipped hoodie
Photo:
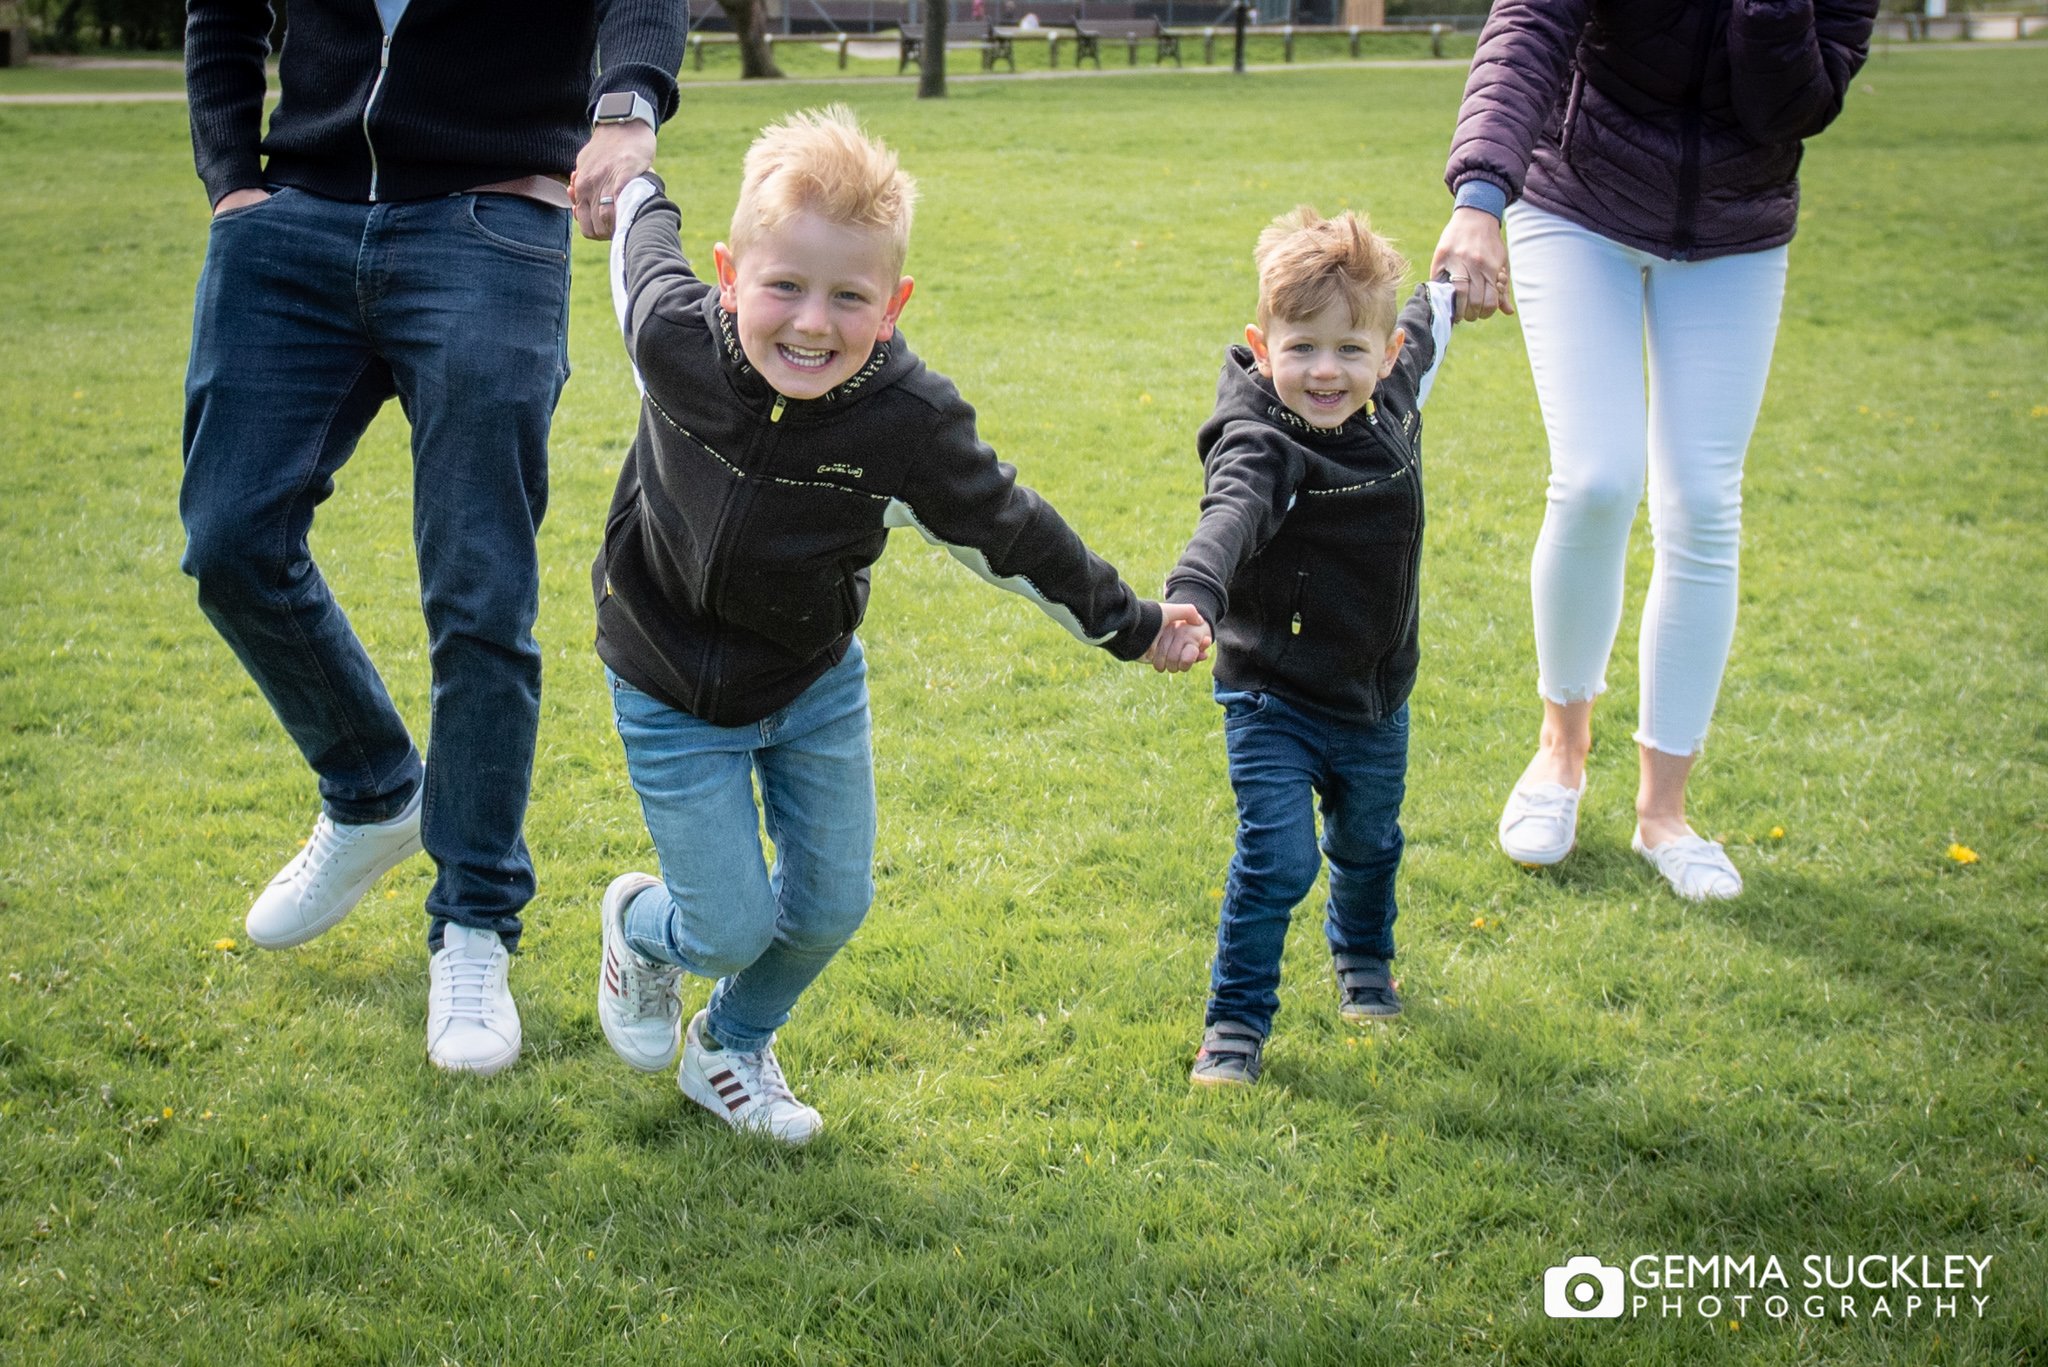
[
  {"x": 1306, "y": 556},
  {"x": 736, "y": 552},
  {"x": 462, "y": 93}
]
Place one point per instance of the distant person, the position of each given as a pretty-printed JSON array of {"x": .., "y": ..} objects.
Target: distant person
[
  {"x": 1643, "y": 158},
  {"x": 408, "y": 236},
  {"x": 1306, "y": 558},
  {"x": 786, "y": 429}
]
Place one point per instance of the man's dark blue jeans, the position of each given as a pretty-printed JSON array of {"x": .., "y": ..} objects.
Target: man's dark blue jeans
[
  {"x": 311, "y": 313},
  {"x": 1282, "y": 758}
]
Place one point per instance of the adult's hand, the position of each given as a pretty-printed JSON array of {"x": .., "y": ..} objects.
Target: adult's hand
[
  {"x": 615, "y": 154},
  {"x": 1475, "y": 254},
  {"x": 239, "y": 199}
]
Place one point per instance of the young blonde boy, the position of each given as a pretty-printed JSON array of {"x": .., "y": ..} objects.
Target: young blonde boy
[
  {"x": 786, "y": 427},
  {"x": 1305, "y": 560}
]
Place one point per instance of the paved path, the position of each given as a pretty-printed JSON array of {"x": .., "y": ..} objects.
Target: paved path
[{"x": 1109, "y": 73}]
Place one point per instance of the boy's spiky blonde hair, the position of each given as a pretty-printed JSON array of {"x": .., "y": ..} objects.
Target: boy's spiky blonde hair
[
  {"x": 819, "y": 161},
  {"x": 1305, "y": 261}
]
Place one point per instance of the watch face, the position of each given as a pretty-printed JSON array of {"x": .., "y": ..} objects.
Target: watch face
[{"x": 617, "y": 105}]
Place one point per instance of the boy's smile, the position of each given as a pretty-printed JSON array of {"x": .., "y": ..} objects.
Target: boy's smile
[
  {"x": 1324, "y": 368},
  {"x": 812, "y": 297}
]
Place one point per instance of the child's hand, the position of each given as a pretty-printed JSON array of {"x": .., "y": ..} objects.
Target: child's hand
[{"x": 1183, "y": 639}]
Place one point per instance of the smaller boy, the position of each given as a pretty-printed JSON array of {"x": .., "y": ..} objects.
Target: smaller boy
[
  {"x": 1305, "y": 559},
  {"x": 786, "y": 428}
]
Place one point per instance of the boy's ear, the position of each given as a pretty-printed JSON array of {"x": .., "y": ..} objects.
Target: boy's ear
[
  {"x": 894, "y": 309},
  {"x": 728, "y": 278},
  {"x": 1394, "y": 345},
  {"x": 1256, "y": 340}
]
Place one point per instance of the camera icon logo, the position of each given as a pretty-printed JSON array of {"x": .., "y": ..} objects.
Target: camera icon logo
[{"x": 1582, "y": 1288}]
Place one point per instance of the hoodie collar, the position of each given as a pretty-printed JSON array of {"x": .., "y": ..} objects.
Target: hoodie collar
[
  {"x": 1248, "y": 394},
  {"x": 752, "y": 386}
]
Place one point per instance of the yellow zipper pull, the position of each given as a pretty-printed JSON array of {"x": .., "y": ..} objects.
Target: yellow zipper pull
[{"x": 775, "y": 413}]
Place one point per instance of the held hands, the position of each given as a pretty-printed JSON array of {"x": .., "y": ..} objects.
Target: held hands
[
  {"x": 615, "y": 154},
  {"x": 1183, "y": 639},
  {"x": 1475, "y": 255}
]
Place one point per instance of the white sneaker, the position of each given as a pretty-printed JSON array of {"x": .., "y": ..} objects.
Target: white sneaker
[
  {"x": 1540, "y": 824},
  {"x": 472, "y": 1025},
  {"x": 636, "y": 998},
  {"x": 323, "y": 882},
  {"x": 745, "y": 1089},
  {"x": 1697, "y": 869}
]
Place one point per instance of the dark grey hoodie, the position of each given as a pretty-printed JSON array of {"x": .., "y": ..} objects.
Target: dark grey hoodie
[{"x": 1306, "y": 555}]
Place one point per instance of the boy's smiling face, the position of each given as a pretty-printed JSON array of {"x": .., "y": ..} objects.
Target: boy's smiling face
[
  {"x": 1324, "y": 368},
  {"x": 812, "y": 297}
]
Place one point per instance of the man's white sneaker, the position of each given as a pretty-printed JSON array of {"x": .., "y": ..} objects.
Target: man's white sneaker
[
  {"x": 1697, "y": 869},
  {"x": 636, "y": 998},
  {"x": 323, "y": 882},
  {"x": 744, "y": 1088},
  {"x": 1540, "y": 824},
  {"x": 472, "y": 1025}
]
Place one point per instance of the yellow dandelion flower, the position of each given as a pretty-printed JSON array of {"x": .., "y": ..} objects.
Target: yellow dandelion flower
[
  {"x": 2039, "y": 410},
  {"x": 1777, "y": 832},
  {"x": 1962, "y": 854},
  {"x": 1863, "y": 408},
  {"x": 1145, "y": 398},
  {"x": 168, "y": 1113},
  {"x": 224, "y": 943},
  {"x": 1478, "y": 923},
  {"x": 1735, "y": 1324}
]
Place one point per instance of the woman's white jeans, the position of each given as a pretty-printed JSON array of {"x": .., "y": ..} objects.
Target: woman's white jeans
[{"x": 1641, "y": 364}]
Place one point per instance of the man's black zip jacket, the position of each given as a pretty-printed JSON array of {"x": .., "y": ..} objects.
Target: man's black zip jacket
[
  {"x": 736, "y": 552},
  {"x": 1306, "y": 556},
  {"x": 465, "y": 93}
]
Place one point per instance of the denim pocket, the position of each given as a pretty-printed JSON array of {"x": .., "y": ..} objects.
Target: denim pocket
[
  {"x": 1239, "y": 708},
  {"x": 247, "y": 209},
  {"x": 521, "y": 226}
]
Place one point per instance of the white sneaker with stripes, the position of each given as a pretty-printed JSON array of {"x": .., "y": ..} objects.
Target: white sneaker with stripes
[
  {"x": 636, "y": 997},
  {"x": 744, "y": 1088}
]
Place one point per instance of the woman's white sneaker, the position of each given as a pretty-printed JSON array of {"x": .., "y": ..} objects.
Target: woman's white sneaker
[
  {"x": 1540, "y": 824},
  {"x": 636, "y": 998},
  {"x": 472, "y": 1025},
  {"x": 1697, "y": 869},
  {"x": 744, "y": 1088},
  {"x": 323, "y": 882}
]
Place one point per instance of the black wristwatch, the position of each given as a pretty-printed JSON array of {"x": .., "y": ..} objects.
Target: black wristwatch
[{"x": 623, "y": 106}]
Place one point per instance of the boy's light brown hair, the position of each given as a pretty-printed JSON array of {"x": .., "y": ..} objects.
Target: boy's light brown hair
[
  {"x": 819, "y": 161},
  {"x": 1305, "y": 261}
]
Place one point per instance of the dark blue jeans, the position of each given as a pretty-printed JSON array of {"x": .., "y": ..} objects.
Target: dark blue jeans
[
  {"x": 1281, "y": 758},
  {"x": 311, "y": 313}
]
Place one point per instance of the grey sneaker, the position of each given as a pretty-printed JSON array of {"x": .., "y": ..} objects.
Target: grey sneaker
[
  {"x": 1229, "y": 1056},
  {"x": 1368, "y": 988}
]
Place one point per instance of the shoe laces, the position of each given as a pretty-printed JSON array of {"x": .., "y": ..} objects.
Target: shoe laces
[
  {"x": 467, "y": 986},
  {"x": 649, "y": 988},
  {"x": 762, "y": 1074},
  {"x": 314, "y": 862},
  {"x": 1694, "y": 854}
]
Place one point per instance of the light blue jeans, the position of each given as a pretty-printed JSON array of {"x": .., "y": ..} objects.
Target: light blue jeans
[{"x": 764, "y": 931}]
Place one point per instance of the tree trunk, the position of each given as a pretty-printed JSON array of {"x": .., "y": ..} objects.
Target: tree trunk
[
  {"x": 931, "y": 73},
  {"x": 750, "y": 22}
]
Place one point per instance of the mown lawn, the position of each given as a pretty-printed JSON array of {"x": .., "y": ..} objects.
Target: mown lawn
[{"x": 211, "y": 1152}]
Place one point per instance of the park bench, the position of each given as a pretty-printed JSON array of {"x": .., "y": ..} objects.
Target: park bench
[
  {"x": 1287, "y": 33},
  {"x": 699, "y": 39},
  {"x": 1089, "y": 33}
]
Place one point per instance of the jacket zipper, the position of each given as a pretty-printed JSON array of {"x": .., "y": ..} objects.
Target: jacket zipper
[
  {"x": 714, "y": 583},
  {"x": 1300, "y": 592},
  {"x": 383, "y": 66},
  {"x": 1689, "y": 146}
]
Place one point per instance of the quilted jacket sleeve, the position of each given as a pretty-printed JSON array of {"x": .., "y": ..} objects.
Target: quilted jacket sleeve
[
  {"x": 1518, "y": 75},
  {"x": 1790, "y": 62}
]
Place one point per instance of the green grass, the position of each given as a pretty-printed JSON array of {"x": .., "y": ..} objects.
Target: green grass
[{"x": 211, "y": 1153}]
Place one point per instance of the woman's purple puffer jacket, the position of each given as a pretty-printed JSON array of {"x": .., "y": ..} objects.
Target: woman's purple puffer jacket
[{"x": 1673, "y": 126}]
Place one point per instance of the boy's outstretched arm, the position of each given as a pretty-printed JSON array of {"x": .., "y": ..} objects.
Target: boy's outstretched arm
[
  {"x": 961, "y": 498},
  {"x": 1251, "y": 474},
  {"x": 1425, "y": 325},
  {"x": 653, "y": 286}
]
